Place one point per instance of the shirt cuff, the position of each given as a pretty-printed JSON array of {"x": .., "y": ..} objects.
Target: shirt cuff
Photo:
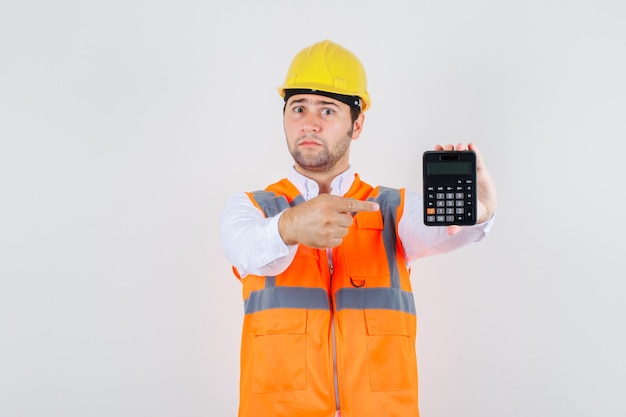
[{"x": 275, "y": 247}]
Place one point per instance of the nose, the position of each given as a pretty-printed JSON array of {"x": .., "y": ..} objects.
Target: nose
[{"x": 311, "y": 123}]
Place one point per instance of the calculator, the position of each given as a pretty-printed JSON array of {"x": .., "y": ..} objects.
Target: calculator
[{"x": 449, "y": 179}]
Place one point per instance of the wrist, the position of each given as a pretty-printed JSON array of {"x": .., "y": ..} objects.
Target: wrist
[{"x": 284, "y": 228}]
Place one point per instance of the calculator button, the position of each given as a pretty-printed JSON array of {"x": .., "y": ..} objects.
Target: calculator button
[{"x": 450, "y": 202}]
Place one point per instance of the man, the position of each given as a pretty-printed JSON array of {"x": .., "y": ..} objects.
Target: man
[{"x": 324, "y": 259}]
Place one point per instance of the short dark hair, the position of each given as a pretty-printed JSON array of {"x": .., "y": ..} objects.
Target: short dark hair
[{"x": 355, "y": 112}]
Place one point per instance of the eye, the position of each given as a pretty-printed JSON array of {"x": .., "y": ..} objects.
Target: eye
[
  {"x": 328, "y": 112},
  {"x": 298, "y": 109}
]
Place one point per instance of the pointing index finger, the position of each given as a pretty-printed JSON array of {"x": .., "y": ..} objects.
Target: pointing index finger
[{"x": 355, "y": 206}]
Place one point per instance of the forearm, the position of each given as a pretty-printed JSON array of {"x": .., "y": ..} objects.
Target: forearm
[
  {"x": 250, "y": 241},
  {"x": 420, "y": 240}
]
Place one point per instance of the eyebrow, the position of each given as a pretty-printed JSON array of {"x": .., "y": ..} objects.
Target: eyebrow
[{"x": 315, "y": 102}]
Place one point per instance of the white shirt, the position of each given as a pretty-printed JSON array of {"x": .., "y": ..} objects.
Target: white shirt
[{"x": 253, "y": 244}]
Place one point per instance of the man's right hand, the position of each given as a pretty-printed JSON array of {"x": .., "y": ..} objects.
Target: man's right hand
[{"x": 321, "y": 222}]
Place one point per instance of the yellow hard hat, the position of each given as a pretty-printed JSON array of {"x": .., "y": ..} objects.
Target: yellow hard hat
[{"x": 327, "y": 67}]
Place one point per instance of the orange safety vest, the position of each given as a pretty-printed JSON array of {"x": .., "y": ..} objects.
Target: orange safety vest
[{"x": 332, "y": 335}]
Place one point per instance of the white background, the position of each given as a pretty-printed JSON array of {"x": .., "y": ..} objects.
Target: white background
[{"x": 125, "y": 125}]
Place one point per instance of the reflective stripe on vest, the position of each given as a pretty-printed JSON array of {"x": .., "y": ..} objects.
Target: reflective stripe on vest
[
  {"x": 272, "y": 204},
  {"x": 392, "y": 298},
  {"x": 389, "y": 200},
  {"x": 375, "y": 298},
  {"x": 285, "y": 297}
]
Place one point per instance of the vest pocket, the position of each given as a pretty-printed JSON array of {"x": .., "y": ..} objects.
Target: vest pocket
[
  {"x": 279, "y": 351},
  {"x": 391, "y": 350}
]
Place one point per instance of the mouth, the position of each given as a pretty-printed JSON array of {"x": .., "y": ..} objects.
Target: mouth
[{"x": 309, "y": 142}]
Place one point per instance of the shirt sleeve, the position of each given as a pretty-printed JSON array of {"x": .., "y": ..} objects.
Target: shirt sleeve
[
  {"x": 420, "y": 240},
  {"x": 251, "y": 242}
]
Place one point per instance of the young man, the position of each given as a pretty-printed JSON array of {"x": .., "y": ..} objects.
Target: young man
[{"x": 324, "y": 259}]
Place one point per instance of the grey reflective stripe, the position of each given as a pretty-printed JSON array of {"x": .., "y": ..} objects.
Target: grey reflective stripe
[
  {"x": 287, "y": 297},
  {"x": 273, "y": 204},
  {"x": 298, "y": 200},
  {"x": 389, "y": 200},
  {"x": 375, "y": 298}
]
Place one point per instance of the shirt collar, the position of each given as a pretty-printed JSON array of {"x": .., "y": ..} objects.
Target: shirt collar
[{"x": 309, "y": 188}]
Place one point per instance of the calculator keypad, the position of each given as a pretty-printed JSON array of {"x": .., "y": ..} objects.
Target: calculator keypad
[{"x": 451, "y": 203}]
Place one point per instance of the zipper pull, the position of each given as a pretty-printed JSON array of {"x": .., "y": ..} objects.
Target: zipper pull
[{"x": 329, "y": 257}]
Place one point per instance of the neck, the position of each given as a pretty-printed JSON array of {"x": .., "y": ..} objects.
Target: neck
[{"x": 323, "y": 179}]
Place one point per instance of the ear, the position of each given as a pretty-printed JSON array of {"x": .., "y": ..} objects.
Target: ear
[{"x": 357, "y": 126}]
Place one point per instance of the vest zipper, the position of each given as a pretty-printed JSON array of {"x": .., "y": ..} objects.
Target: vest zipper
[{"x": 332, "y": 324}]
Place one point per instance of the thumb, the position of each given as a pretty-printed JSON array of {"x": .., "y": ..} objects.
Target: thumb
[{"x": 453, "y": 230}]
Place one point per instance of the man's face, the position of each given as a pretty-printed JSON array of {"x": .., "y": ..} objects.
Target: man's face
[{"x": 319, "y": 130}]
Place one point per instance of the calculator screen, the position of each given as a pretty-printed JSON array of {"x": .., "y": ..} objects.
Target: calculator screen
[{"x": 449, "y": 168}]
